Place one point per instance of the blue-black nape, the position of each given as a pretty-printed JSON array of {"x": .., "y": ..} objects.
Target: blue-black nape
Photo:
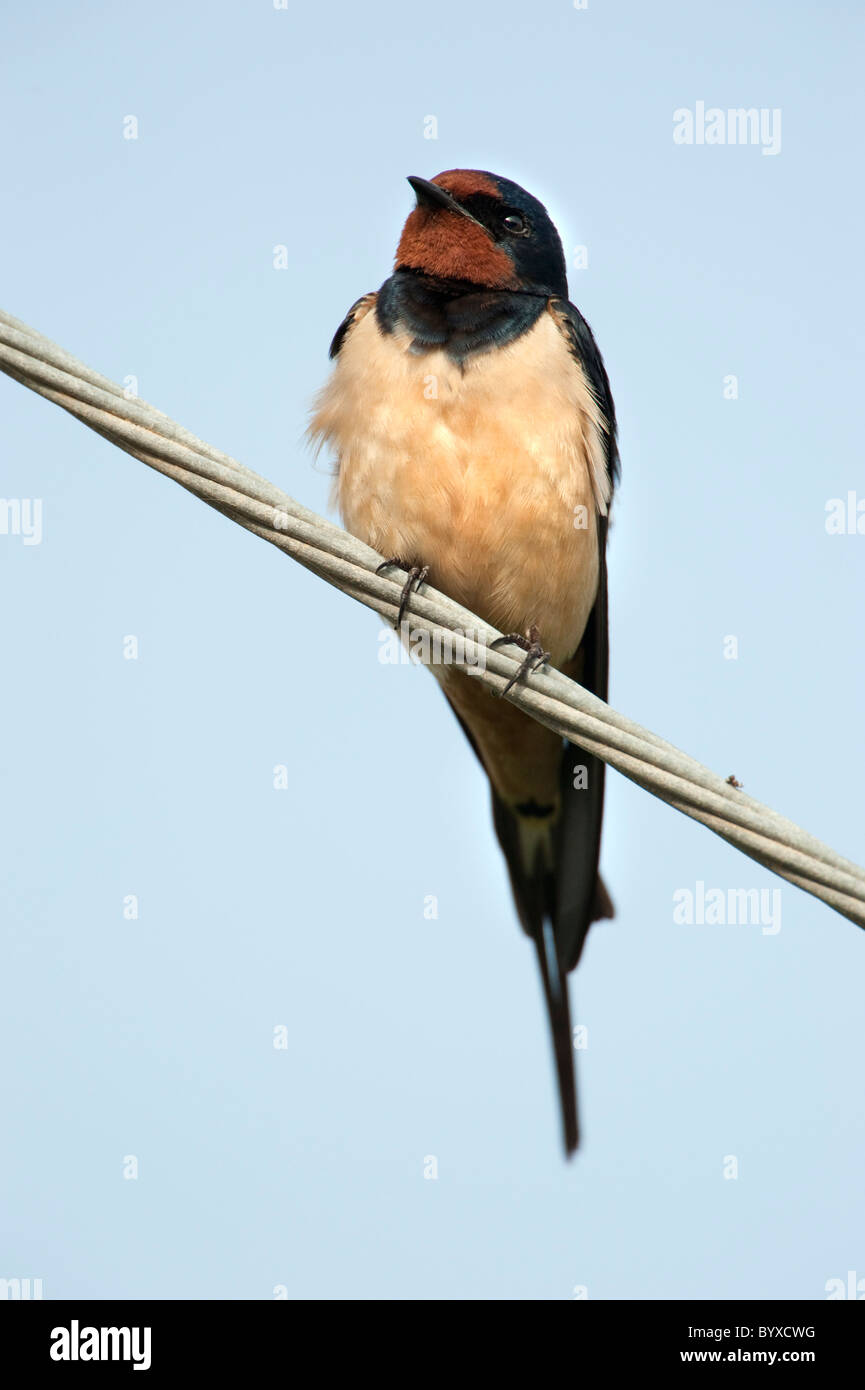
[{"x": 522, "y": 226}]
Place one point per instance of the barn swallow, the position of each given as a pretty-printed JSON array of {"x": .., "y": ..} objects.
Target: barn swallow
[{"x": 475, "y": 435}]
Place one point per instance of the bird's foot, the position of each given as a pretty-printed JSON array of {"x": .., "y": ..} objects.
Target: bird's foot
[
  {"x": 416, "y": 576},
  {"x": 535, "y": 655}
]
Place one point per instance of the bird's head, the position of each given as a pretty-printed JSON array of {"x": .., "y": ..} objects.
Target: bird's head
[{"x": 474, "y": 226}]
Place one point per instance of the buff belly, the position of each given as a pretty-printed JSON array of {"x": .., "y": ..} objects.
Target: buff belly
[
  {"x": 479, "y": 471},
  {"x": 488, "y": 473}
]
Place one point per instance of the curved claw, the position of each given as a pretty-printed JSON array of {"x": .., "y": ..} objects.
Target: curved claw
[
  {"x": 416, "y": 576},
  {"x": 535, "y": 656}
]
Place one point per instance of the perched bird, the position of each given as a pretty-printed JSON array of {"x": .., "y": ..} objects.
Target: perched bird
[{"x": 475, "y": 434}]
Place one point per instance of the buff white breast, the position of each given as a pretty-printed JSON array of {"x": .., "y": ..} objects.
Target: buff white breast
[{"x": 491, "y": 472}]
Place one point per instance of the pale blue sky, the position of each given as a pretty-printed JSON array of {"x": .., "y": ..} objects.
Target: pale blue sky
[{"x": 305, "y": 908}]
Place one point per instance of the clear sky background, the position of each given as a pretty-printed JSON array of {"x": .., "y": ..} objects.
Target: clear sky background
[{"x": 304, "y": 908}]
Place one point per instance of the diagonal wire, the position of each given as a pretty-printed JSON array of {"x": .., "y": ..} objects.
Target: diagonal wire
[{"x": 551, "y": 698}]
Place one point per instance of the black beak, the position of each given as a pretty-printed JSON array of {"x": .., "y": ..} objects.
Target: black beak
[{"x": 429, "y": 195}]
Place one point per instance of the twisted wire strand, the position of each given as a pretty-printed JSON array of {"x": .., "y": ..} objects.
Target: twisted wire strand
[{"x": 551, "y": 698}]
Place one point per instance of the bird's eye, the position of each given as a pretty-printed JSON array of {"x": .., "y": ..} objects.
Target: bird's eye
[{"x": 515, "y": 224}]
